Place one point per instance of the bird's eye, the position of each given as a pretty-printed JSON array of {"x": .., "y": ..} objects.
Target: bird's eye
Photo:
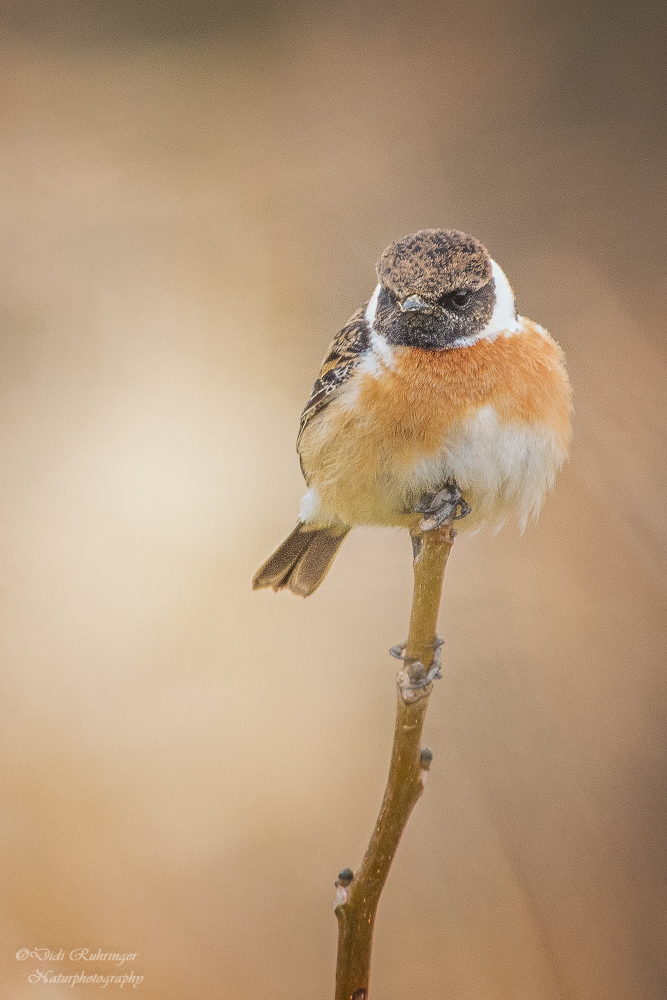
[{"x": 456, "y": 299}]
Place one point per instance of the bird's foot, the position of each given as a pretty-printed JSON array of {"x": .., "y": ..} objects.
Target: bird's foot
[
  {"x": 415, "y": 680},
  {"x": 441, "y": 508}
]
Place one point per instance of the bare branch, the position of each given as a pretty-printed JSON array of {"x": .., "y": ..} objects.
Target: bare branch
[{"x": 357, "y": 896}]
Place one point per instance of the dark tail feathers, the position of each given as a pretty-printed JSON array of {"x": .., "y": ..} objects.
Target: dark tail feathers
[{"x": 302, "y": 561}]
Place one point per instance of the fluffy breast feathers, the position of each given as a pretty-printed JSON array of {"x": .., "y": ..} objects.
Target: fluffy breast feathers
[{"x": 383, "y": 427}]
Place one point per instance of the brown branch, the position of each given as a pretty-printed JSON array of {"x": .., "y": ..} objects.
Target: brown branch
[{"x": 358, "y": 896}]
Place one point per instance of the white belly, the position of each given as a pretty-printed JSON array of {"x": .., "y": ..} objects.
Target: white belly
[{"x": 502, "y": 470}]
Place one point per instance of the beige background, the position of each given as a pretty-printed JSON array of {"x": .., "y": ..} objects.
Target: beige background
[{"x": 191, "y": 204}]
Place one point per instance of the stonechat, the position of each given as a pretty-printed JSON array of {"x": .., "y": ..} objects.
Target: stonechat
[{"x": 436, "y": 401}]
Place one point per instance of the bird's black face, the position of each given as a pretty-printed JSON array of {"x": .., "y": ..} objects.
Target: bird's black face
[
  {"x": 416, "y": 322},
  {"x": 437, "y": 290}
]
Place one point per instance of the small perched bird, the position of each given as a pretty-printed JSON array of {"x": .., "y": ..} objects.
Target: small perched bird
[{"x": 436, "y": 401}]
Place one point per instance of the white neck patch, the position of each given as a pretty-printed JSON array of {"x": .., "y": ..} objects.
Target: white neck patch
[
  {"x": 503, "y": 318},
  {"x": 380, "y": 355},
  {"x": 372, "y": 306}
]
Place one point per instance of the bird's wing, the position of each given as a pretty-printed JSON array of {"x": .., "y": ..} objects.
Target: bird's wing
[{"x": 343, "y": 355}]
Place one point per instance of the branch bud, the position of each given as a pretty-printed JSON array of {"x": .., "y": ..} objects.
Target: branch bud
[{"x": 345, "y": 876}]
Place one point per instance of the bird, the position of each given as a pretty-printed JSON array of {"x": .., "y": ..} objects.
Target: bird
[{"x": 436, "y": 402}]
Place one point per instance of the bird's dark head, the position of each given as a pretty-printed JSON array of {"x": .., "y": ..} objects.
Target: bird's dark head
[{"x": 437, "y": 290}]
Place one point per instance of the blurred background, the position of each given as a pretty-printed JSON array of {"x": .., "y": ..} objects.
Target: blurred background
[{"x": 192, "y": 200}]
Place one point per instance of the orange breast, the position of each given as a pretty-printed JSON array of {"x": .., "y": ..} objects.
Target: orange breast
[
  {"x": 523, "y": 377},
  {"x": 395, "y": 432}
]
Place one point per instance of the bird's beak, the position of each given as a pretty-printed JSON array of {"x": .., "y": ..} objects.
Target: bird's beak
[{"x": 415, "y": 303}]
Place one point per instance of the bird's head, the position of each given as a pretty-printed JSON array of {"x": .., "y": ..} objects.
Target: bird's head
[{"x": 439, "y": 289}]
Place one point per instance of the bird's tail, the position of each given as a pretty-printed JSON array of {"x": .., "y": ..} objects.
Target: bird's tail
[{"x": 302, "y": 561}]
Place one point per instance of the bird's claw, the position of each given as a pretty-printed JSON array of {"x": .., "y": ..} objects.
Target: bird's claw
[{"x": 443, "y": 507}]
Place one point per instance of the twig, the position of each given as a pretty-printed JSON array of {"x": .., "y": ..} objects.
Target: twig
[{"x": 358, "y": 895}]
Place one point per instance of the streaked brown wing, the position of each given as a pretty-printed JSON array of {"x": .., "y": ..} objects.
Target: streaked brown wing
[{"x": 337, "y": 367}]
